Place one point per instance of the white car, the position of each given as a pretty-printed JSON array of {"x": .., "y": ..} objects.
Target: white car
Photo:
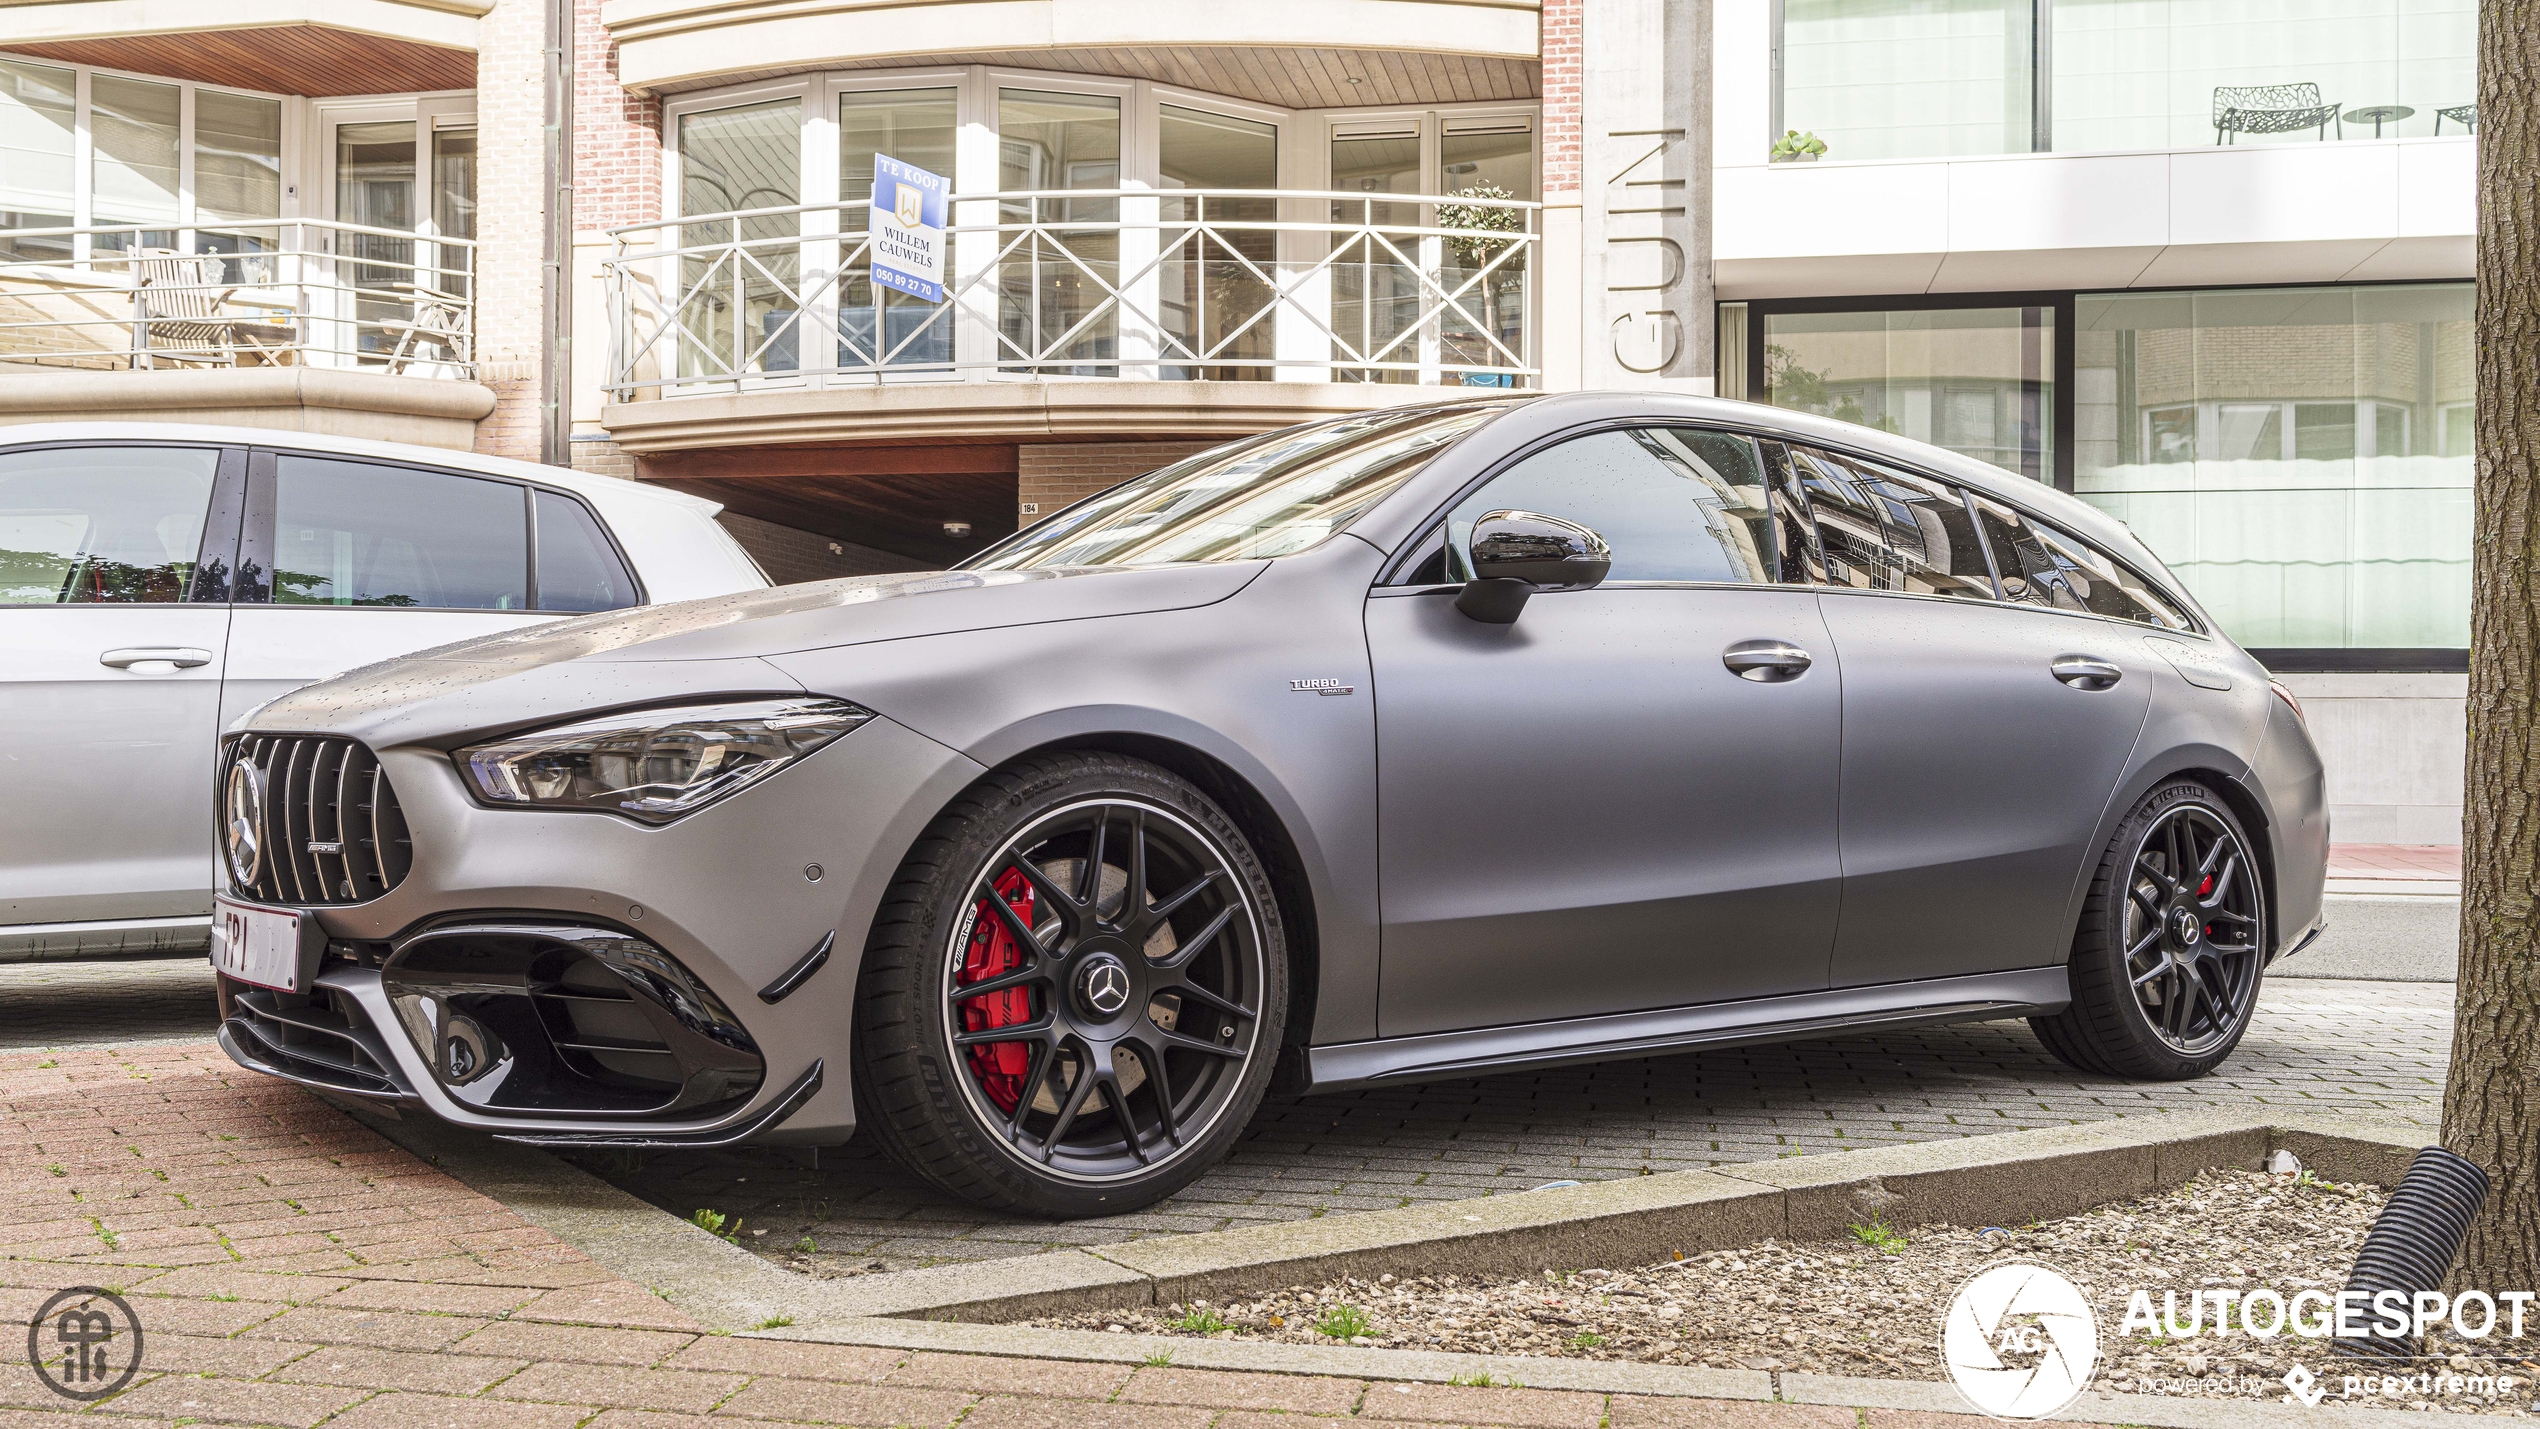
[{"x": 157, "y": 580}]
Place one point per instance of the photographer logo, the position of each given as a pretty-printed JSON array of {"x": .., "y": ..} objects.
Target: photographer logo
[
  {"x": 2020, "y": 1341},
  {"x": 85, "y": 1343}
]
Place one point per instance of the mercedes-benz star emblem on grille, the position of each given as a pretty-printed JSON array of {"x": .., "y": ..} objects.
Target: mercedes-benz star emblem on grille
[
  {"x": 1106, "y": 987},
  {"x": 243, "y": 821}
]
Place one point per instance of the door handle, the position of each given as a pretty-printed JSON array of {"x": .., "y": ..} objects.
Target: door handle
[
  {"x": 155, "y": 659},
  {"x": 1766, "y": 661},
  {"x": 2086, "y": 672}
]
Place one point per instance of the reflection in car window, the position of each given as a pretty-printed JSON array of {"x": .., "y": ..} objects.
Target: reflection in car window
[
  {"x": 1794, "y": 534},
  {"x": 577, "y": 569},
  {"x": 358, "y": 533},
  {"x": 1937, "y": 549},
  {"x": 1271, "y": 496},
  {"x": 1675, "y": 504},
  {"x": 1850, "y": 530},
  {"x": 102, "y": 525},
  {"x": 2043, "y": 566}
]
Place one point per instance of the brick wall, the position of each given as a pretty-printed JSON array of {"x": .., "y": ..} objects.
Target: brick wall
[
  {"x": 1561, "y": 96},
  {"x": 1050, "y": 477},
  {"x": 791, "y": 556},
  {"x": 511, "y": 220},
  {"x": 602, "y": 458},
  {"x": 616, "y": 135}
]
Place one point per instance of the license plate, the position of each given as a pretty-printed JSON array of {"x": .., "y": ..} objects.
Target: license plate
[{"x": 257, "y": 945}]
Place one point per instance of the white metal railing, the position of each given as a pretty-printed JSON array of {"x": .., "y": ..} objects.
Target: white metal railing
[
  {"x": 286, "y": 291},
  {"x": 1159, "y": 284}
]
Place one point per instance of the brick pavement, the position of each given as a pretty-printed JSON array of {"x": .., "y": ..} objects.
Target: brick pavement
[
  {"x": 292, "y": 1268},
  {"x": 2395, "y": 861}
]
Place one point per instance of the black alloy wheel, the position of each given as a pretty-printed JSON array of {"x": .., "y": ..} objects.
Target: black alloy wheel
[
  {"x": 2171, "y": 947},
  {"x": 1102, "y": 993}
]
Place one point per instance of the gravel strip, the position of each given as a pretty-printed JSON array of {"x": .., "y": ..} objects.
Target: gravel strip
[{"x": 1871, "y": 1305}]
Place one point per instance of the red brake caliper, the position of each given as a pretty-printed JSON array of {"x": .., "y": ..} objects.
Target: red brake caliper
[
  {"x": 2203, "y": 889},
  {"x": 992, "y": 953}
]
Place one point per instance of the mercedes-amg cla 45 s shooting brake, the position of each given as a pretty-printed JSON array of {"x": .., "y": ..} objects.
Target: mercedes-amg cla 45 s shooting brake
[{"x": 1419, "y": 744}]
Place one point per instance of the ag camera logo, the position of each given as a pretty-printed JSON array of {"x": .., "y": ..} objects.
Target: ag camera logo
[{"x": 2020, "y": 1341}]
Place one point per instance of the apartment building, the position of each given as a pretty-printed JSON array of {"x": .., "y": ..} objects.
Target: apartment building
[{"x": 2204, "y": 262}]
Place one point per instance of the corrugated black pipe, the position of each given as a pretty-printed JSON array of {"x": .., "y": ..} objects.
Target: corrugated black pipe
[{"x": 2412, "y": 1245}]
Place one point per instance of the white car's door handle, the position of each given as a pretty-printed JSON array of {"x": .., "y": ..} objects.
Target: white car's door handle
[{"x": 155, "y": 659}]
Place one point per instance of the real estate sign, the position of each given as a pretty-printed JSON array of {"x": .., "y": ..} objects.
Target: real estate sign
[{"x": 907, "y": 225}]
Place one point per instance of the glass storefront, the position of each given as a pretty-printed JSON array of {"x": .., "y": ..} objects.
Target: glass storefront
[
  {"x": 1892, "y": 79},
  {"x": 2300, "y": 456},
  {"x": 1975, "y": 380}
]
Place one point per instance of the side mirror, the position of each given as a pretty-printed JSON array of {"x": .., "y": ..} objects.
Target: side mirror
[{"x": 1516, "y": 553}]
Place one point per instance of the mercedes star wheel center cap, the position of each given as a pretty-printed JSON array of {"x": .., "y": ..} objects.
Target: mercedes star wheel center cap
[
  {"x": 2189, "y": 928},
  {"x": 1102, "y": 985}
]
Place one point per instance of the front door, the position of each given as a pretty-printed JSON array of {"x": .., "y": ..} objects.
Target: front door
[
  {"x": 114, "y": 571},
  {"x": 1586, "y": 811}
]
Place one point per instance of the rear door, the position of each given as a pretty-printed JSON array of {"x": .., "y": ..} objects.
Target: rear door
[
  {"x": 348, "y": 561},
  {"x": 1974, "y": 776},
  {"x": 115, "y": 565}
]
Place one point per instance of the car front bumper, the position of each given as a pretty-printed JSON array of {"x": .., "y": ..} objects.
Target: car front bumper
[{"x": 740, "y": 896}]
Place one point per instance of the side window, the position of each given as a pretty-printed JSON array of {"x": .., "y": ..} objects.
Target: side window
[
  {"x": 2043, "y": 566},
  {"x": 1794, "y": 534},
  {"x": 104, "y": 525},
  {"x": 1675, "y": 504},
  {"x": 1937, "y": 549},
  {"x": 366, "y": 534},
  {"x": 1850, "y": 530},
  {"x": 577, "y": 568}
]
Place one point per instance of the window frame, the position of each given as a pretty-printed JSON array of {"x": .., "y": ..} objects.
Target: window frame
[{"x": 256, "y": 535}]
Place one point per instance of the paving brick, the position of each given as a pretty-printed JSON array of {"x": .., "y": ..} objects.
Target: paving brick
[
  {"x": 578, "y": 1343},
  {"x": 617, "y": 1386},
  {"x": 987, "y": 1374},
  {"x": 790, "y": 1359},
  {"x": 608, "y": 1302},
  {"x": 432, "y": 1411},
  {"x": 1636, "y": 1412},
  {"x": 1457, "y": 1404},
  {"x": 1013, "y": 1413},
  {"x": 235, "y": 1401},
  {"x": 382, "y": 1329},
  {"x": 366, "y": 1368},
  {"x": 481, "y": 1300},
  {"x": 820, "y": 1402},
  {"x": 1220, "y": 1389}
]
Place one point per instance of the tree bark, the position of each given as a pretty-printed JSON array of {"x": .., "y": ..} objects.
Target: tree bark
[{"x": 2491, "y": 1105}]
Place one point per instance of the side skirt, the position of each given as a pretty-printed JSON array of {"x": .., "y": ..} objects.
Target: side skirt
[{"x": 1438, "y": 1056}]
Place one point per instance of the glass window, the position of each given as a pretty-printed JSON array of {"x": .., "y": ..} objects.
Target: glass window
[
  {"x": 1674, "y": 504},
  {"x": 1799, "y": 559},
  {"x": 1937, "y": 549},
  {"x": 102, "y": 525},
  {"x": 375, "y": 187},
  {"x": 133, "y": 124},
  {"x": 731, "y": 160},
  {"x": 876, "y": 326},
  {"x": 2299, "y": 456},
  {"x": 237, "y": 157},
  {"x": 1980, "y": 381},
  {"x": 355, "y": 533},
  {"x": 2043, "y": 566},
  {"x": 2133, "y": 75},
  {"x": 453, "y": 206},
  {"x": 1057, "y": 278},
  {"x": 577, "y": 568},
  {"x": 1250, "y": 500},
  {"x": 1375, "y": 292},
  {"x": 1893, "y": 79},
  {"x": 1212, "y": 279},
  {"x": 37, "y": 114},
  {"x": 1486, "y": 160}
]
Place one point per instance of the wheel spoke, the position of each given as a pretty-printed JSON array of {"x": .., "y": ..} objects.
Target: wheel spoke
[
  {"x": 1181, "y": 956},
  {"x": 2222, "y": 846},
  {"x": 2228, "y": 916},
  {"x": 1028, "y": 975},
  {"x": 2231, "y": 948},
  {"x": 1166, "y": 909},
  {"x": 2157, "y": 970},
  {"x": 1092, "y": 897},
  {"x": 1161, "y": 1084},
  {"x": 1193, "y": 1044},
  {"x": 2174, "y": 1004},
  {"x": 1066, "y": 1118},
  {"x": 1014, "y": 924},
  {"x": 1063, "y": 903},
  {"x": 1044, "y": 1055},
  {"x": 2163, "y": 885},
  {"x": 1011, "y": 1032},
  {"x": 1118, "y": 1101},
  {"x": 1196, "y": 993},
  {"x": 2222, "y": 882},
  {"x": 1133, "y": 898},
  {"x": 2150, "y": 941}
]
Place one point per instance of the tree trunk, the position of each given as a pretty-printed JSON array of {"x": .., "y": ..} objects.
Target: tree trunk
[{"x": 2491, "y": 1107}]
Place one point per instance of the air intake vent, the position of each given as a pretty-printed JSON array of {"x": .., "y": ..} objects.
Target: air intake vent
[{"x": 330, "y": 830}]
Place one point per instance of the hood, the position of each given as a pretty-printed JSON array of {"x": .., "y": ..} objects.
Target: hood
[{"x": 713, "y": 646}]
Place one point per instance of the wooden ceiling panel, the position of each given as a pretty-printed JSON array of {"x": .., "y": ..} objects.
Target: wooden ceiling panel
[
  {"x": 279, "y": 59},
  {"x": 896, "y": 499},
  {"x": 1297, "y": 78}
]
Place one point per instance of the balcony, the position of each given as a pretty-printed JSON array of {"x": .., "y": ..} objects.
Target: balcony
[
  {"x": 238, "y": 324},
  {"x": 1083, "y": 312}
]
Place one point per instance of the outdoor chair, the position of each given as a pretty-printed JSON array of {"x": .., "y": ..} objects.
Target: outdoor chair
[
  {"x": 2465, "y": 115},
  {"x": 439, "y": 323},
  {"x": 179, "y": 305},
  {"x": 2271, "y": 109}
]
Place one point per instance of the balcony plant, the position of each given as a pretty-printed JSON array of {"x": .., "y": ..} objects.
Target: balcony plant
[
  {"x": 1794, "y": 147},
  {"x": 1485, "y": 220}
]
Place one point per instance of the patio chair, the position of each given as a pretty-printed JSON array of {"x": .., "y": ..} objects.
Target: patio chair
[
  {"x": 439, "y": 322},
  {"x": 2271, "y": 109},
  {"x": 2465, "y": 115},
  {"x": 179, "y": 308}
]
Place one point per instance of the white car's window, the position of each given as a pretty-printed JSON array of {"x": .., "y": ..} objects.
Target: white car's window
[
  {"x": 1270, "y": 496},
  {"x": 368, "y": 534},
  {"x": 577, "y": 568},
  {"x": 102, "y": 525}
]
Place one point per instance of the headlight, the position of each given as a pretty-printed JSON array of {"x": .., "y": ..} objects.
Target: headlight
[{"x": 654, "y": 766}]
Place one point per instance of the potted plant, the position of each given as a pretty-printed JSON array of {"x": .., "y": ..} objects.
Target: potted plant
[{"x": 1794, "y": 147}]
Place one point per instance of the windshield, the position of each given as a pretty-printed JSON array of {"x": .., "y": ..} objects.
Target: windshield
[{"x": 1269, "y": 496}]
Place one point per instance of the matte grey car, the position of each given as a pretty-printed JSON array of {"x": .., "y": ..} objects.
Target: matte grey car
[{"x": 1418, "y": 744}]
